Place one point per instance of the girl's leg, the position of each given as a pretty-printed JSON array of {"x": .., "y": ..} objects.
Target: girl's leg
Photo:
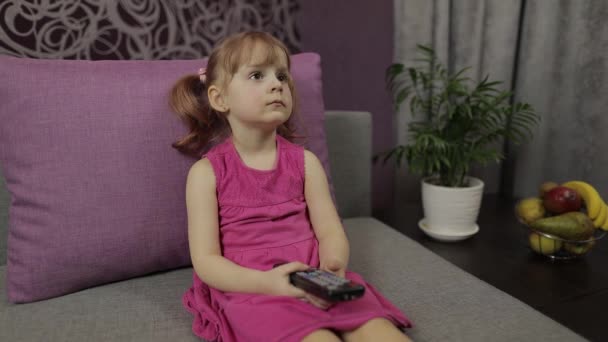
[
  {"x": 321, "y": 335},
  {"x": 377, "y": 329}
]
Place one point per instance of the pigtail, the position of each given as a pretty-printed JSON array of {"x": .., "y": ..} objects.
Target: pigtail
[{"x": 188, "y": 100}]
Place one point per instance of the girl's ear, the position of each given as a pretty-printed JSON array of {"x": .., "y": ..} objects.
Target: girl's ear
[{"x": 216, "y": 99}]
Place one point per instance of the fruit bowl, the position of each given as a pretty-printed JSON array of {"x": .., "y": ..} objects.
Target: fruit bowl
[
  {"x": 564, "y": 221},
  {"x": 556, "y": 247}
]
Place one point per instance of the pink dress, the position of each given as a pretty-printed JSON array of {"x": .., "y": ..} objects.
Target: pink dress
[{"x": 263, "y": 221}]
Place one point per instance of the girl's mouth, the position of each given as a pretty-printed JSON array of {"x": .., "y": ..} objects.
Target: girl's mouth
[{"x": 277, "y": 103}]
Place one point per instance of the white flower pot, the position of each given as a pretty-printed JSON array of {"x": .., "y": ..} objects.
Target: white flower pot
[{"x": 450, "y": 214}]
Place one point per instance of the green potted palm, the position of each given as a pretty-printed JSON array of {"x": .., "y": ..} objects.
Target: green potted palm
[{"x": 456, "y": 124}]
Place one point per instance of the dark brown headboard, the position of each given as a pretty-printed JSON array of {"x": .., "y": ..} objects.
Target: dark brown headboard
[{"x": 137, "y": 29}]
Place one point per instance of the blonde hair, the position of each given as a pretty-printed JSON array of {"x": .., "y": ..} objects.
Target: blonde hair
[{"x": 188, "y": 97}]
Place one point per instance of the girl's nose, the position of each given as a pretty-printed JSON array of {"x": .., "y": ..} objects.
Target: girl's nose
[{"x": 276, "y": 84}]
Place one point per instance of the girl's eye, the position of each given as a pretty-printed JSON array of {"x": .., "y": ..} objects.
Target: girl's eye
[
  {"x": 282, "y": 77},
  {"x": 256, "y": 75}
]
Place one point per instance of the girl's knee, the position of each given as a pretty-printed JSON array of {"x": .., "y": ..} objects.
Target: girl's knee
[
  {"x": 321, "y": 335},
  {"x": 376, "y": 329}
]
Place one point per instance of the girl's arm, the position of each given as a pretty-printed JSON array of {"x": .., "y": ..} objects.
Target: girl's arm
[
  {"x": 205, "y": 252},
  {"x": 333, "y": 244}
]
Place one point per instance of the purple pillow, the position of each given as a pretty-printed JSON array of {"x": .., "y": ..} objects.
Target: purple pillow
[{"x": 97, "y": 192}]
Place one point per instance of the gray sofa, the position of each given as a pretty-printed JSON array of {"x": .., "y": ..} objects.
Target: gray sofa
[{"x": 444, "y": 302}]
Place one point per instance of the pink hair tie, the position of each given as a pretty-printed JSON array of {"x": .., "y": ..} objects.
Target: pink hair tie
[{"x": 202, "y": 74}]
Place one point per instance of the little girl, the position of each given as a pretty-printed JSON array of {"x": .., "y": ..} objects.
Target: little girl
[{"x": 256, "y": 199}]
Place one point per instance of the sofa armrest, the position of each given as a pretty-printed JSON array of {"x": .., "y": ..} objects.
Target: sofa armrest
[{"x": 349, "y": 141}]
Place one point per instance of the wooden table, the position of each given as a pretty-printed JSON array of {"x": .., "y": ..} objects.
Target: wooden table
[{"x": 574, "y": 293}]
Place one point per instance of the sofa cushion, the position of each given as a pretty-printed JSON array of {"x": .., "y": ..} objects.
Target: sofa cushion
[
  {"x": 141, "y": 309},
  {"x": 97, "y": 192},
  {"x": 443, "y": 302}
]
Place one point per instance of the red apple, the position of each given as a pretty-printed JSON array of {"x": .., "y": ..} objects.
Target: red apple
[
  {"x": 546, "y": 186},
  {"x": 561, "y": 199}
]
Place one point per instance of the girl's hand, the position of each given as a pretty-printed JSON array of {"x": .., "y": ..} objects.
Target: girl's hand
[
  {"x": 333, "y": 266},
  {"x": 277, "y": 280}
]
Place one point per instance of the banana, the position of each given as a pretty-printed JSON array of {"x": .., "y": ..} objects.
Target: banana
[
  {"x": 601, "y": 217},
  {"x": 592, "y": 199},
  {"x": 605, "y": 225}
]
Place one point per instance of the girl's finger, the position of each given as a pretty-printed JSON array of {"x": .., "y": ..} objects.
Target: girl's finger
[
  {"x": 294, "y": 267},
  {"x": 338, "y": 271},
  {"x": 297, "y": 292},
  {"x": 318, "y": 302}
]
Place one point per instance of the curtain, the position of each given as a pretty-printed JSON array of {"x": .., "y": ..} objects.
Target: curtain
[
  {"x": 563, "y": 72},
  {"x": 551, "y": 54}
]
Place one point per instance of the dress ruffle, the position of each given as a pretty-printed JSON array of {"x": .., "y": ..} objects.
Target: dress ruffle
[{"x": 197, "y": 300}]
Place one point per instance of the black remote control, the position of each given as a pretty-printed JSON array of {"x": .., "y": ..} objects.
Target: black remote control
[{"x": 326, "y": 285}]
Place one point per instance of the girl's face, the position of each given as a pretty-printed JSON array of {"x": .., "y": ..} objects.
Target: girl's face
[{"x": 258, "y": 94}]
